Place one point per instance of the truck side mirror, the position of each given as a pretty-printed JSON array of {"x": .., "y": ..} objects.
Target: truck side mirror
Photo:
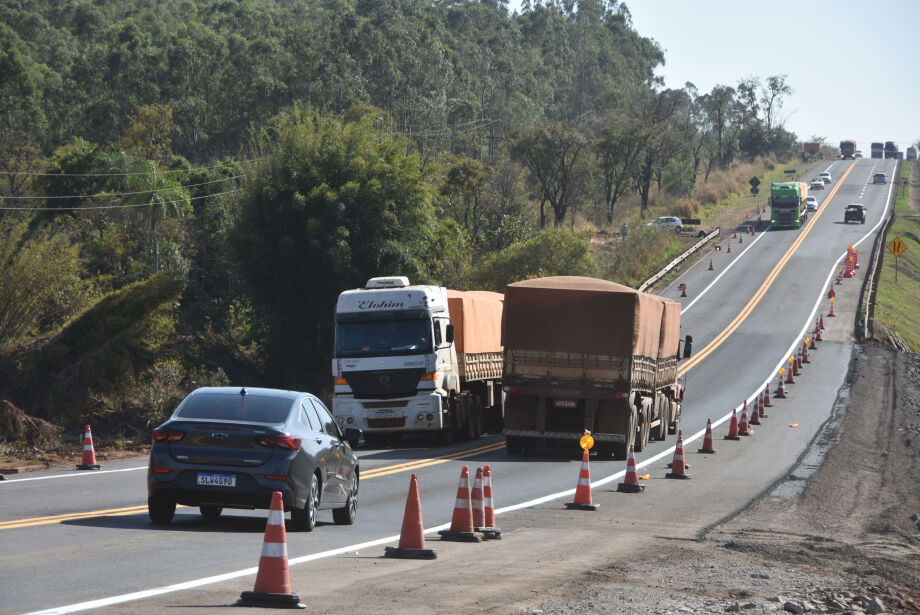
[
  {"x": 450, "y": 334},
  {"x": 688, "y": 346}
]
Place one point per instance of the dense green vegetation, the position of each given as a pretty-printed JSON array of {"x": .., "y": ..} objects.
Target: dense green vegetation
[{"x": 185, "y": 185}]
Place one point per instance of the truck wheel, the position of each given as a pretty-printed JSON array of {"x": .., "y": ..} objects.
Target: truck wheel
[
  {"x": 514, "y": 445},
  {"x": 642, "y": 431},
  {"x": 673, "y": 425},
  {"x": 621, "y": 451}
]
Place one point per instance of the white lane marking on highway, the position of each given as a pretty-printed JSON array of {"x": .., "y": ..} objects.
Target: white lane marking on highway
[
  {"x": 83, "y": 606},
  {"x": 724, "y": 271},
  {"x": 76, "y": 474}
]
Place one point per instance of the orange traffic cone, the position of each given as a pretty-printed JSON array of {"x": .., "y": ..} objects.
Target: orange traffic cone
[
  {"x": 733, "y": 428},
  {"x": 273, "y": 581},
  {"x": 631, "y": 484},
  {"x": 781, "y": 388},
  {"x": 766, "y": 397},
  {"x": 805, "y": 353},
  {"x": 710, "y": 264},
  {"x": 583, "y": 489},
  {"x": 707, "y": 440},
  {"x": 743, "y": 429},
  {"x": 476, "y": 501},
  {"x": 89, "y": 455},
  {"x": 830, "y": 313},
  {"x": 762, "y": 401},
  {"x": 412, "y": 536},
  {"x": 729, "y": 251},
  {"x": 818, "y": 334},
  {"x": 488, "y": 530},
  {"x": 821, "y": 322},
  {"x": 740, "y": 238},
  {"x": 461, "y": 525},
  {"x": 755, "y": 414},
  {"x": 678, "y": 467},
  {"x": 813, "y": 339},
  {"x": 789, "y": 376},
  {"x": 797, "y": 364}
]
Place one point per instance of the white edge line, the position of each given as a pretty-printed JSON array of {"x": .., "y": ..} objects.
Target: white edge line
[
  {"x": 82, "y": 606},
  {"x": 76, "y": 473}
]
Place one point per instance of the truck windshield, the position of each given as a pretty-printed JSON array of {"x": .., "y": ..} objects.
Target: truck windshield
[{"x": 359, "y": 338}]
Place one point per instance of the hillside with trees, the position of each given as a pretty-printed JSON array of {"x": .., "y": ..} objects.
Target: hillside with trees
[{"x": 186, "y": 185}]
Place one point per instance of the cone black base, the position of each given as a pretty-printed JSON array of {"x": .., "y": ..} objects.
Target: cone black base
[
  {"x": 673, "y": 475},
  {"x": 271, "y": 601},
  {"x": 492, "y": 533},
  {"x": 686, "y": 465},
  {"x": 89, "y": 466},
  {"x": 749, "y": 432},
  {"x": 624, "y": 488},
  {"x": 574, "y": 506},
  {"x": 459, "y": 536},
  {"x": 410, "y": 553},
  {"x": 732, "y": 437},
  {"x": 708, "y": 451},
  {"x": 757, "y": 422}
]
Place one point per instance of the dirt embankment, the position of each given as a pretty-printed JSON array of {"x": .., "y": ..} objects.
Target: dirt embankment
[{"x": 839, "y": 537}]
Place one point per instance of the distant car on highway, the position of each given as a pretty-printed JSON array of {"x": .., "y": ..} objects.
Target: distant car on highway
[
  {"x": 825, "y": 177},
  {"x": 229, "y": 447},
  {"x": 879, "y": 178},
  {"x": 671, "y": 222},
  {"x": 859, "y": 153},
  {"x": 811, "y": 203},
  {"x": 855, "y": 212},
  {"x": 816, "y": 184}
]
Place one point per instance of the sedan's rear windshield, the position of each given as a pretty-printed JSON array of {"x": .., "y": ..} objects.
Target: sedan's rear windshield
[{"x": 236, "y": 407}]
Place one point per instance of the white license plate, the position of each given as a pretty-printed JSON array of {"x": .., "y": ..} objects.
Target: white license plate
[
  {"x": 217, "y": 480},
  {"x": 385, "y": 414},
  {"x": 566, "y": 403}
]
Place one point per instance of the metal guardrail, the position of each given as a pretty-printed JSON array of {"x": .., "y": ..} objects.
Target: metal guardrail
[
  {"x": 677, "y": 261},
  {"x": 865, "y": 327}
]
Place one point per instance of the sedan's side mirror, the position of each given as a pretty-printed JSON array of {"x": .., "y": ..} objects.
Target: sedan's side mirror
[
  {"x": 353, "y": 435},
  {"x": 688, "y": 346}
]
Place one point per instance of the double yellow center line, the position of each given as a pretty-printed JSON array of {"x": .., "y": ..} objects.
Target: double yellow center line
[
  {"x": 767, "y": 283},
  {"x": 135, "y": 510}
]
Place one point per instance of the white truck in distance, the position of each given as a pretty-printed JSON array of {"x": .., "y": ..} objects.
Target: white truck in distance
[{"x": 417, "y": 359}]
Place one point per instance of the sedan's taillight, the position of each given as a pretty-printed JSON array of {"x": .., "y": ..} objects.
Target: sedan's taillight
[
  {"x": 165, "y": 434},
  {"x": 284, "y": 441}
]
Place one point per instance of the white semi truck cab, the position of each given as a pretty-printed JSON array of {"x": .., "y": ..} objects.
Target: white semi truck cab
[{"x": 396, "y": 366}]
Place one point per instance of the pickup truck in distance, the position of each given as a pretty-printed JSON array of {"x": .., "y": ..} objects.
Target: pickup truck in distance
[{"x": 855, "y": 212}]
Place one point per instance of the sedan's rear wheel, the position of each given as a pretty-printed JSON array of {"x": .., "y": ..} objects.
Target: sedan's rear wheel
[
  {"x": 347, "y": 514},
  {"x": 210, "y": 511},
  {"x": 161, "y": 509},
  {"x": 304, "y": 519}
]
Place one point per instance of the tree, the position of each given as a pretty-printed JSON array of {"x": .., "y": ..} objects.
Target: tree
[
  {"x": 151, "y": 132},
  {"x": 619, "y": 144},
  {"x": 329, "y": 206},
  {"x": 552, "y": 153},
  {"x": 771, "y": 99},
  {"x": 163, "y": 195}
]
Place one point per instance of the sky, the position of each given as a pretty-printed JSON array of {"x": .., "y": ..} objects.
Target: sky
[{"x": 853, "y": 66}]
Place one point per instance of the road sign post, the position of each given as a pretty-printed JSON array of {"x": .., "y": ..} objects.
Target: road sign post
[{"x": 896, "y": 247}]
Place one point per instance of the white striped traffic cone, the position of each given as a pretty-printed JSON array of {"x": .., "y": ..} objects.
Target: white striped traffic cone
[
  {"x": 461, "y": 524},
  {"x": 488, "y": 508},
  {"x": 89, "y": 455},
  {"x": 678, "y": 467},
  {"x": 631, "y": 484},
  {"x": 273, "y": 581},
  {"x": 583, "y": 488}
]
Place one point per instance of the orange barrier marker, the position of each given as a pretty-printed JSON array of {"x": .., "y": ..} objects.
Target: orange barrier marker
[
  {"x": 583, "y": 489},
  {"x": 412, "y": 536},
  {"x": 461, "y": 524},
  {"x": 814, "y": 335},
  {"x": 707, "y": 440},
  {"x": 743, "y": 429},
  {"x": 781, "y": 388},
  {"x": 89, "y": 454},
  {"x": 794, "y": 425},
  {"x": 789, "y": 376},
  {"x": 830, "y": 313},
  {"x": 273, "y": 581},
  {"x": 631, "y": 483},
  {"x": 762, "y": 402},
  {"x": 755, "y": 414},
  {"x": 678, "y": 467},
  {"x": 488, "y": 530},
  {"x": 733, "y": 428},
  {"x": 805, "y": 351}
]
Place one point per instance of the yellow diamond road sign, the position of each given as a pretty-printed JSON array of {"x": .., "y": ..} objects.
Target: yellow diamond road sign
[{"x": 897, "y": 247}]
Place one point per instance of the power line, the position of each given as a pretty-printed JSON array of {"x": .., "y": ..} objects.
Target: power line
[
  {"x": 192, "y": 170},
  {"x": 105, "y": 195},
  {"x": 95, "y": 207}
]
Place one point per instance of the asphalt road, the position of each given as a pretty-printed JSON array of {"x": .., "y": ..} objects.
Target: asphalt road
[{"x": 73, "y": 537}]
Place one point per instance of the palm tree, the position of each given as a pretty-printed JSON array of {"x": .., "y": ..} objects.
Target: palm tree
[{"x": 163, "y": 194}]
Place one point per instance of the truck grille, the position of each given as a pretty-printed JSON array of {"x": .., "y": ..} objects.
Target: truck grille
[{"x": 382, "y": 384}]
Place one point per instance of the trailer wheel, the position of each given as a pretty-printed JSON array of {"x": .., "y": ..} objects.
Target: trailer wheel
[
  {"x": 621, "y": 450},
  {"x": 642, "y": 431},
  {"x": 476, "y": 418},
  {"x": 673, "y": 425}
]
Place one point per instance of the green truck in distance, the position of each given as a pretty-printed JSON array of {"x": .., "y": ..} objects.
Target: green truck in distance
[{"x": 787, "y": 204}]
